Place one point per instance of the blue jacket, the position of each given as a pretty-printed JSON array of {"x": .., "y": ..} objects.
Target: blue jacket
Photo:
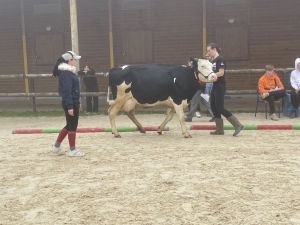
[{"x": 68, "y": 86}]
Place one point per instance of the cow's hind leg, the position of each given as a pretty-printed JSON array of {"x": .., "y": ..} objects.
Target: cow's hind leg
[
  {"x": 112, "y": 113},
  {"x": 170, "y": 113},
  {"x": 131, "y": 115}
]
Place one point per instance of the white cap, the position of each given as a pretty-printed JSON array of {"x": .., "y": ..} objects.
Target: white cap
[{"x": 70, "y": 55}]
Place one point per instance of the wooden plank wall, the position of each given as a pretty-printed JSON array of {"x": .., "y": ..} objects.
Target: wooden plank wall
[
  {"x": 275, "y": 32},
  {"x": 11, "y": 57},
  {"x": 35, "y": 24},
  {"x": 176, "y": 25},
  {"x": 274, "y": 36},
  {"x": 94, "y": 37},
  {"x": 177, "y": 30}
]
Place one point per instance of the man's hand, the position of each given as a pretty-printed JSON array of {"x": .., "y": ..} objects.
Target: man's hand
[{"x": 71, "y": 112}]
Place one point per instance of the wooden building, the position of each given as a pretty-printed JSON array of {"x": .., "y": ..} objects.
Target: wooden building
[{"x": 251, "y": 33}]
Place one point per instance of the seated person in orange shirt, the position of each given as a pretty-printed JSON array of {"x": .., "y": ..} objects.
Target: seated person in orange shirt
[{"x": 271, "y": 89}]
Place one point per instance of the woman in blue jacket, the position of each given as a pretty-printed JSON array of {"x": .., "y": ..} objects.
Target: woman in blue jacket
[{"x": 69, "y": 90}]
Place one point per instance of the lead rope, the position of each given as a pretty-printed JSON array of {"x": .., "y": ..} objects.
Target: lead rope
[
  {"x": 195, "y": 74},
  {"x": 199, "y": 81}
]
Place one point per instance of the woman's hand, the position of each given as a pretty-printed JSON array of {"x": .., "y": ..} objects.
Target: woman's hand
[
  {"x": 71, "y": 112},
  {"x": 79, "y": 107}
]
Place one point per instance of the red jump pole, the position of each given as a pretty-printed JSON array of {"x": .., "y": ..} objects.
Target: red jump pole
[
  {"x": 202, "y": 127},
  {"x": 84, "y": 130},
  {"x": 27, "y": 131},
  {"x": 275, "y": 127},
  {"x": 250, "y": 127}
]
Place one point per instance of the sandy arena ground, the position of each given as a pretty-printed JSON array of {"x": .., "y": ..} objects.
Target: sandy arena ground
[{"x": 150, "y": 179}]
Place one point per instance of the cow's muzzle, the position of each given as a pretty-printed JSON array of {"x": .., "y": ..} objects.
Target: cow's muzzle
[{"x": 206, "y": 77}]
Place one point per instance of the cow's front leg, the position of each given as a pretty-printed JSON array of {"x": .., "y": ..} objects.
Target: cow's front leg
[
  {"x": 180, "y": 115},
  {"x": 170, "y": 113},
  {"x": 112, "y": 113}
]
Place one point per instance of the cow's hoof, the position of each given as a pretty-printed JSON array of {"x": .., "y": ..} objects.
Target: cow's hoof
[
  {"x": 160, "y": 133},
  {"x": 143, "y": 132},
  {"x": 118, "y": 136},
  {"x": 187, "y": 136}
]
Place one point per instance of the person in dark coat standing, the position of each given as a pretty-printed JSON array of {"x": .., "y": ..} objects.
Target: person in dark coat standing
[
  {"x": 69, "y": 90},
  {"x": 91, "y": 85}
]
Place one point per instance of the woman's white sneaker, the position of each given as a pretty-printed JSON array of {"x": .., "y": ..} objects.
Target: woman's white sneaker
[
  {"x": 75, "y": 153},
  {"x": 57, "y": 150}
]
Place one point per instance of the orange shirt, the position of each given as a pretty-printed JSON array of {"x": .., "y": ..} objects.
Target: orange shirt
[{"x": 266, "y": 83}]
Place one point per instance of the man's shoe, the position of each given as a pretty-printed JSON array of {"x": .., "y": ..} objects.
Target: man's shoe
[
  {"x": 212, "y": 120},
  {"x": 57, "y": 150},
  {"x": 216, "y": 132},
  {"x": 75, "y": 153},
  {"x": 293, "y": 114},
  {"x": 274, "y": 117},
  {"x": 188, "y": 120},
  {"x": 198, "y": 114}
]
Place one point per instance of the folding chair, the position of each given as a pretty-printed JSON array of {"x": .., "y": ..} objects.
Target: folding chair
[{"x": 258, "y": 99}]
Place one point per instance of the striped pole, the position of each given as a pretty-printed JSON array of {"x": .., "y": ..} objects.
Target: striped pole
[
  {"x": 84, "y": 130},
  {"x": 249, "y": 127}
]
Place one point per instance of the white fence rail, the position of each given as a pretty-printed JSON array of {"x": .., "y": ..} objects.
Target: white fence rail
[{"x": 33, "y": 94}]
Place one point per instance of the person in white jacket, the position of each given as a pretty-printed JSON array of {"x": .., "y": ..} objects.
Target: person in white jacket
[{"x": 295, "y": 93}]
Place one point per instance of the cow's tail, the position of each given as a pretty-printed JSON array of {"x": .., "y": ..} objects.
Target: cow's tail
[{"x": 110, "y": 102}]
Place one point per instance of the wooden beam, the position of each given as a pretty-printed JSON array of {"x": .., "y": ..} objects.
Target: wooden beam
[
  {"x": 74, "y": 29},
  {"x": 204, "y": 28},
  {"x": 49, "y": 94},
  {"x": 24, "y": 44},
  {"x": 111, "y": 40}
]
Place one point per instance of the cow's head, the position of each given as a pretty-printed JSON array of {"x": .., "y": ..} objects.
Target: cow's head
[{"x": 204, "y": 70}]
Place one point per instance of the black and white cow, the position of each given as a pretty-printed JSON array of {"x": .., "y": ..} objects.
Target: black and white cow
[{"x": 152, "y": 85}]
